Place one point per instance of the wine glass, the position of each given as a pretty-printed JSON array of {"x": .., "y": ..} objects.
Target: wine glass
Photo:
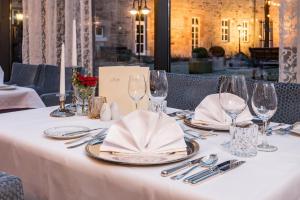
[
  {"x": 233, "y": 97},
  {"x": 264, "y": 104},
  {"x": 158, "y": 88},
  {"x": 137, "y": 88}
]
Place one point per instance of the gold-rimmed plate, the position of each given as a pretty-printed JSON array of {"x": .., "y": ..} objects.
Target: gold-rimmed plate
[
  {"x": 188, "y": 122},
  {"x": 93, "y": 150}
]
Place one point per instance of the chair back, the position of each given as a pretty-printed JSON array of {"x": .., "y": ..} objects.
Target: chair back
[
  {"x": 288, "y": 96},
  {"x": 187, "y": 91},
  {"x": 49, "y": 79},
  {"x": 24, "y": 74}
]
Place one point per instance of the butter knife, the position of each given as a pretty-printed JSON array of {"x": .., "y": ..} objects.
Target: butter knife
[
  {"x": 177, "y": 168},
  {"x": 219, "y": 171}
]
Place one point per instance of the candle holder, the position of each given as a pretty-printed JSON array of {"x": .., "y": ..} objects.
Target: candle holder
[{"x": 62, "y": 111}]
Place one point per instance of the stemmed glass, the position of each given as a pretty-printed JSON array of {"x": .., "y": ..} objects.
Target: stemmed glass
[
  {"x": 233, "y": 85},
  {"x": 264, "y": 104},
  {"x": 137, "y": 88},
  {"x": 158, "y": 88},
  {"x": 233, "y": 97}
]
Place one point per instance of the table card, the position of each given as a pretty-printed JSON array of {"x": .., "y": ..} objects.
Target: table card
[{"x": 113, "y": 84}]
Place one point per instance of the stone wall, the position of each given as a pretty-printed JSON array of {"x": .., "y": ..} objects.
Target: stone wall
[{"x": 119, "y": 24}]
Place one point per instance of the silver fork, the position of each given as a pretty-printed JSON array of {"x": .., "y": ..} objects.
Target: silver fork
[{"x": 100, "y": 136}]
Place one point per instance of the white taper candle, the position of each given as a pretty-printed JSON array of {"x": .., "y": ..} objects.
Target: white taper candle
[
  {"x": 74, "y": 45},
  {"x": 62, "y": 88}
]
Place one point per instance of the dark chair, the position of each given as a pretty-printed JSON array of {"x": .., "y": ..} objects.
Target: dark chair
[
  {"x": 48, "y": 84},
  {"x": 24, "y": 74},
  {"x": 288, "y": 94},
  {"x": 10, "y": 187},
  {"x": 187, "y": 91}
]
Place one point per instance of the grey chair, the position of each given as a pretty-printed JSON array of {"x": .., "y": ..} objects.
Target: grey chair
[
  {"x": 24, "y": 74},
  {"x": 48, "y": 84},
  {"x": 187, "y": 91},
  {"x": 288, "y": 94},
  {"x": 10, "y": 187}
]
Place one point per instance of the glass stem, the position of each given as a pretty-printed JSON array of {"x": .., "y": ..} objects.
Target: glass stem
[
  {"x": 136, "y": 105},
  {"x": 264, "y": 135}
]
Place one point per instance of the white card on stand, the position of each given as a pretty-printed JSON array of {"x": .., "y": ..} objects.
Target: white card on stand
[{"x": 113, "y": 84}]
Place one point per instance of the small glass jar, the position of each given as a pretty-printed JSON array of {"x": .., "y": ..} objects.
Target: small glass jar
[
  {"x": 244, "y": 140},
  {"x": 82, "y": 96}
]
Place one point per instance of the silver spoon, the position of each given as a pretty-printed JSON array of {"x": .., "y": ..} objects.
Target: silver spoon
[{"x": 206, "y": 161}]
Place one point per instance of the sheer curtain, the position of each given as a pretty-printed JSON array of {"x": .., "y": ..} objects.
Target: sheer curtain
[
  {"x": 289, "y": 41},
  {"x": 48, "y": 23}
]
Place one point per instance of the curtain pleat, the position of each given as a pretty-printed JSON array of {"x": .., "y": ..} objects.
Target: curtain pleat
[
  {"x": 289, "y": 53},
  {"x": 49, "y": 23}
]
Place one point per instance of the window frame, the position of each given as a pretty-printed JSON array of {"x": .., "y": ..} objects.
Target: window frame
[
  {"x": 223, "y": 30},
  {"x": 195, "y": 32}
]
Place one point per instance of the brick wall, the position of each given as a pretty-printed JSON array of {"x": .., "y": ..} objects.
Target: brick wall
[{"x": 119, "y": 24}]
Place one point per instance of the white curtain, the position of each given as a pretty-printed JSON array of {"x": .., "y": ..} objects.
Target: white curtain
[
  {"x": 48, "y": 23},
  {"x": 289, "y": 41}
]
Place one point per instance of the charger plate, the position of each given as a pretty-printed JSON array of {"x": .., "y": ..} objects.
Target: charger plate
[
  {"x": 188, "y": 122},
  {"x": 93, "y": 150}
]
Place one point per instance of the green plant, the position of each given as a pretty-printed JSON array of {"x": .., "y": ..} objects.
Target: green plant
[
  {"x": 200, "y": 52},
  {"x": 217, "y": 51}
]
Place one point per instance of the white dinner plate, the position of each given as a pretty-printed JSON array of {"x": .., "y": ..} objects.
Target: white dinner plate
[
  {"x": 93, "y": 150},
  {"x": 62, "y": 132},
  {"x": 7, "y": 87}
]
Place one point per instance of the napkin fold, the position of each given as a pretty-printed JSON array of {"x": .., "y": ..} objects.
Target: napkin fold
[
  {"x": 144, "y": 132},
  {"x": 210, "y": 112}
]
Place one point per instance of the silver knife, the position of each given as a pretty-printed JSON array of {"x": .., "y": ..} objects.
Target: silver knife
[
  {"x": 206, "y": 172},
  {"x": 177, "y": 168},
  {"x": 219, "y": 171},
  {"x": 77, "y": 132}
]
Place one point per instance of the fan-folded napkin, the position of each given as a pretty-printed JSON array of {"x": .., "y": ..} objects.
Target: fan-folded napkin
[
  {"x": 209, "y": 111},
  {"x": 143, "y": 132}
]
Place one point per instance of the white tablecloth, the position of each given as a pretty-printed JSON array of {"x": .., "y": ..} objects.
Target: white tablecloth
[
  {"x": 50, "y": 171},
  {"x": 20, "y": 98}
]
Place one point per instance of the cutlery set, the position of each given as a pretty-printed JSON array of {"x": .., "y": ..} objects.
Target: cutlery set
[
  {"x": 87, "y": 138},
  {"x": 207, "y": 162}
]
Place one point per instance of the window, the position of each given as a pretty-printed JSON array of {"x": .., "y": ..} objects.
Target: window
[
  {"x": 99, "y": 32},
  {"x": 245, "y": 31},
  {"x": 262, "y": 33},
  {"x": 225, "y": 24},
  {"x": 195, "y": 32}
]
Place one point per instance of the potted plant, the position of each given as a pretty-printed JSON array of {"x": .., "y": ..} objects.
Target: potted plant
[
  {"x": 218, "y": 59},
  {"x": 200, "y": 62}
]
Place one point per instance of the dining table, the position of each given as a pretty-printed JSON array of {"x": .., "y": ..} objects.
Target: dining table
[
  {"x": 51, "y": 171},
  {"x": 19, "y": 97}
]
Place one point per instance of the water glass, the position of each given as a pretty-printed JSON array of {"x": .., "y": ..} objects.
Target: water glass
[
  {"x": 137, "y": 88},
  {"x": 158, "y": 86},
  {"x": 264, "y": 104},
  {"x": 155, "y": 106},
  {"x": 244, "y": 140}
]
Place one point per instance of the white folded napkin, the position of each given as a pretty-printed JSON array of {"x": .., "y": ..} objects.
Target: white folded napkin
[
  {"x": 210, "y": 112},
  {"x": 143, "y": 132}
]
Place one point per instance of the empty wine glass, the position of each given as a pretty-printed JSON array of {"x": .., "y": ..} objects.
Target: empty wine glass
[
  {"x": 264, "y": 104},
  {"x": 158, "y": 88},
  {"x": 137, "y": 88},
  {"x": 233, "y": 97}
]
